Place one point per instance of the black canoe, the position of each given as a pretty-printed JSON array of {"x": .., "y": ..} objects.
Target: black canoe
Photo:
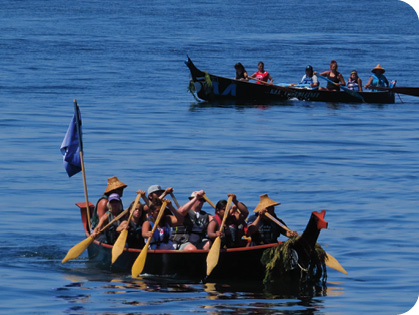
[
  {"x": 209, "y": 87},
  {"x": 233, "y": 263}
]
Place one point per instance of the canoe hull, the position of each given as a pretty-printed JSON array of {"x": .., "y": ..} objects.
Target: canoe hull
[{"x": 209, "y": 87}]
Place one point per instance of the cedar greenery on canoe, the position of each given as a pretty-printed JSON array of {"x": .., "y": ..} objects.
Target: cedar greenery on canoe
[
  {"x": 209, "y": 87},
  {"x": 285, "y": 261}
]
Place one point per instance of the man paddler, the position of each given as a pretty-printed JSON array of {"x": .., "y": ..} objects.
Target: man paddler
[
  {"x": 263, "y": 230},
  {"x": 115, "y": 186}
]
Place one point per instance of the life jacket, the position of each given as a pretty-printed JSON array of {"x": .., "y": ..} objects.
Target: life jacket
[
  {"x": 262, "y": 76},
  {"x": 379, "y": 80},
  {"x": 135, "y": 238},
  {"x": 160, "y": 235},
  {"x": 110, "y": 233},
  {"x": 193, "y": 229},
  {"x": 353, "y": 85},
  {"x": 268, "y": 232}
]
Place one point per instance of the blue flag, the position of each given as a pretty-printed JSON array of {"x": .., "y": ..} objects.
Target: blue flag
[{"x": 70, "y": 148}]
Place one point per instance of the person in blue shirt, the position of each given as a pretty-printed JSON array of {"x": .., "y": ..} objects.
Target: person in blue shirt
[{"x": 377, "y": 79}]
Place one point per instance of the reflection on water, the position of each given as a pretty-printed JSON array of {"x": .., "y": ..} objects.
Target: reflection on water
[{"x": 143, "y": 295}]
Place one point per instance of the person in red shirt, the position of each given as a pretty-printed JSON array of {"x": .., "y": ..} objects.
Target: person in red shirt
[{"x": 261, "y": 75}]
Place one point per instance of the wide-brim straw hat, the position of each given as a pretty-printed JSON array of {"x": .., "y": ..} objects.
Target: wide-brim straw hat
[
  {"x": 378, "y": 67},
  {"x": 265, "y": 202},
  {"x": 113, "y": 184}
]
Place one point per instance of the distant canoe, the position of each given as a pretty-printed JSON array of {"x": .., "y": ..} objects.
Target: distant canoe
[
  {"x": 209, "y": 87},
  {"x": 234, "y": 263}
]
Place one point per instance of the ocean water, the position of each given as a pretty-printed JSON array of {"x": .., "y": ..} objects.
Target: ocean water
[{"x": 124, "y": 63}]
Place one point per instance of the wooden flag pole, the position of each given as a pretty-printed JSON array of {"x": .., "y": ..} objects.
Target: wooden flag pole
[{"x": 76, "y": 109}]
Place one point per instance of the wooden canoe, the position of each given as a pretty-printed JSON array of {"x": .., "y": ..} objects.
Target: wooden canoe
[
  {"x": 213, "y": 88},
  {"x": 234, "y": 263}
]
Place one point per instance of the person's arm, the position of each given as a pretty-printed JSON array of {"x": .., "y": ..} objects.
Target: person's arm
[
  {"x": 324, "y": 73},
  {"x": 341, "y": 80},
  {"x": 315, "y": 82},
  {"x": 144, "y": 197},
  {"x": 246, "y": 77},
  {"x": 360, "y": 84},
  {"x": 176, "y": 218},
  {"x": 253, "y": 75},
  {"x": 270, "y": 78},
  {"x": 183, "y": 210},
  {"x": 102, "y": 221},
  {"x": 145, "y": 230},
  {"x": 212, "y": 234},
  {"x": 102, "y": 207},
  {"x": 240, "y": 205},
  {"x": 122, "y": 226},
  {"x": 368, "y": 85},
  {"x": 253, "y": 228},
  {"x": 168, "y": 191}
]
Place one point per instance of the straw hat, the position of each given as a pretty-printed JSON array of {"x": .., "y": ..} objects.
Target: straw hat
[
  {"x": 265, "y": 202},
  {"x": 378, "y": 67},
  {"x": 113, "y": 184}
]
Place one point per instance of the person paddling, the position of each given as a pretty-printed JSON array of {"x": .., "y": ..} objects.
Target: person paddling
[
  {"x": 262, "y": 74},
  {"x": 261, "y": 229},
  {"x": 377, "y": 79},
  {"x": 334, "y": 76}
]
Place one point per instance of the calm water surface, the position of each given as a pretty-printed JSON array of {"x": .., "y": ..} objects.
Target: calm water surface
[{"x": 123, "y": 62}]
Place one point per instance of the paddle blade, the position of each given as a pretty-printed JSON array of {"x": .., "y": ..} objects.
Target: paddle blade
[
  {"x": 333, "y": 263},
  {"x": 213, "y": 255},
  {"x": 76, "y": 250},
  {"x": 139, "y": 263},
  {"x": 119, "y": 245}
]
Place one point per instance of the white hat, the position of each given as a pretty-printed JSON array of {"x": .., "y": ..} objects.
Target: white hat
[{"x": 153, "y": 189}]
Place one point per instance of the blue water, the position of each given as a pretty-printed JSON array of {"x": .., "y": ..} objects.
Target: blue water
[{"x": 123, "y": 62}]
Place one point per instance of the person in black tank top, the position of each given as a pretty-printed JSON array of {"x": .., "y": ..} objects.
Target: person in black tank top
[{"x": 334, "y": 76}]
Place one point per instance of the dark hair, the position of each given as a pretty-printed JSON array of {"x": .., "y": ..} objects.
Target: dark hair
[
  {"x": 238, "y": 66},
  {"x": 220, "y": 205},
  {"x": 261, "y": 63}
]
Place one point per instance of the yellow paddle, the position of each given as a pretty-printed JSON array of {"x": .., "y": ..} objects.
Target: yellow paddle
[
  {"x": 209, "y": 201},
  {"x": 214, "y": 252},
  {"x": 330, "y": 261},
  {"x": 139, "y": 263},
  {"x": 119, "y": 245},
  {"x": 76, "y": 250}
]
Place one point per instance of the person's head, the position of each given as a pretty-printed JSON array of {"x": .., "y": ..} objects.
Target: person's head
[
  {"x": 333, "y": 65},
  {"x": 220, "y": 208},
  {"x": 266, "y": 203},
  {"x": 309, "y": 71},
  {"x": 261, "y": 66},
  {"x": 354, "y": 75},
  {"x": 114, "y": 203},
  {"x": 115, "y": 186},
  {"x": 138, "y": 211},
  {"x": 199, "y": 202},
  {"x": 378, "y": 70},
  {"x": 154, "y": 192},
  {"x": 239, "y": 67},
  {"x": 153, "y": 211}
]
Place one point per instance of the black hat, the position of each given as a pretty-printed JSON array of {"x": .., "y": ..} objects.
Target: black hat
[{"x": 309, "y": 68}]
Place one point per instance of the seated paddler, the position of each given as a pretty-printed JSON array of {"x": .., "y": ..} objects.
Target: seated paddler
[
  {"x": 263, "y": 230},
  {"x": 233, "y": 231},
  {"x": 191, "y": 235},
  {"x": 114, "y": 207},
  {"x": 115, "y": 186}
]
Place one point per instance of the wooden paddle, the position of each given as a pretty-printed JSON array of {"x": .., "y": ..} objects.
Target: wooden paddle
[
  {"x": 76, "y": 250},
  {"x": 175, "y": 200},
  {"x": 330, "y": 261},
  {"x": 139, "y": 263},
  {"x": 209, "y": 201},
  {"x": 119, "y": 245},
  {"x": 344, "y": 88},
  {"x": 408, "y": 90},
  {"x": 214, "y": 252}
]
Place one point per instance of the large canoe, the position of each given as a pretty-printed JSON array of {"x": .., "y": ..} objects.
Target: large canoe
[
  {"x": 209, "y": 87},
  {"x": 233, "y": 263}
]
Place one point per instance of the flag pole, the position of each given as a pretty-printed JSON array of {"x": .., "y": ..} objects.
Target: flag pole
[{"x": 76, "y": 109}]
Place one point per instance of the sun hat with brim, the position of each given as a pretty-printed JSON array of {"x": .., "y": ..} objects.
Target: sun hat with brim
[
  {"x": 378, "y": 67},
  {"x": 265, "y": 202},
  {"x": 113, "y": 184},
  {"x": 153, "y": 189}
]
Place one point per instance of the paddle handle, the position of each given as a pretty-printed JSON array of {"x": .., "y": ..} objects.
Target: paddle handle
[
  {"x": 114, "y": 219},
  {"x": 175, "y": 200},
  {"x": 209, "y": 201},
  {"x": 163, "y": 207},
  {"x": 137, "y": 200},
  {"x": 270, "y": 216},
  {"x": 227, "y": 210}
]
